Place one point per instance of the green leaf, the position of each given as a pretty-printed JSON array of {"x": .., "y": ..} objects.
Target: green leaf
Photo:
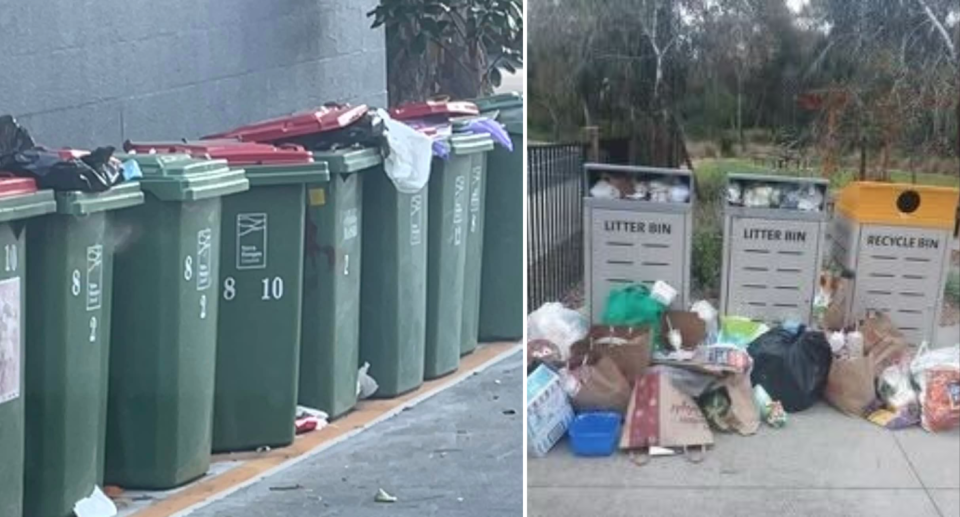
[
  {"x": 495, "y": 77},
  {"x": 420, "y": 44}
]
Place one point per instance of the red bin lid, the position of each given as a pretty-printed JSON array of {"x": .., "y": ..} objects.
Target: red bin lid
[
  {"x": 10, "y": 187},
  {"x": 234, "y": 152},
  {"x": 430, "y": 108},
  {"x": 327, "y": 118}
]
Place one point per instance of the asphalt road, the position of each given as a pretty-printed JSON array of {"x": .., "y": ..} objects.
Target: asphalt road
[{"x": 459, "y": 453}]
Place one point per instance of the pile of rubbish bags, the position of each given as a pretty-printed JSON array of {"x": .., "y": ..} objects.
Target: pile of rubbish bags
[
  {"x": 654, "y": 381},
  {"x": 61, "y": 170}
]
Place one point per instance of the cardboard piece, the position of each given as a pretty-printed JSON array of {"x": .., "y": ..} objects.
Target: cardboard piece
[
  {"x": 660, "y": 415},
  {"x": 548, "y": 411}
]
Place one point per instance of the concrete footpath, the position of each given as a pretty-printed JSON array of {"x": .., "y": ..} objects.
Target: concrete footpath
[
  {"x": 459, "y": 453},
  {"x": 822, "y": 464}
]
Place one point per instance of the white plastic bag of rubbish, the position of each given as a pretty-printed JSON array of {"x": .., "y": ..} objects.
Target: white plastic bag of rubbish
[
  {"x": 604, "y": 190},
  {"x": 96, "y": 505},
  {"x": 408, "y": 164},
  {"x": 559, "y": 325},
  {"x": 366, "y": 385}
]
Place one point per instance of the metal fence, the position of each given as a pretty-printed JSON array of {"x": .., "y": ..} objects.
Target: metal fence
[{"x": 555, "y": 222}]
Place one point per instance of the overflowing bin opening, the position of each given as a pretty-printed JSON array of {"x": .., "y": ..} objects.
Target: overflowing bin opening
[
  {"x": 638, "y": 223},
  {"x": 773, "y": 240}
]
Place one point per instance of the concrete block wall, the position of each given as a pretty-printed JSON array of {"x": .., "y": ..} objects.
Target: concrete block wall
[{"x": 84, "y": 73}]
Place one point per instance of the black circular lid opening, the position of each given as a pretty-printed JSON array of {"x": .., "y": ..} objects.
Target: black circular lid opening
[{"x": 908, "y": 202}]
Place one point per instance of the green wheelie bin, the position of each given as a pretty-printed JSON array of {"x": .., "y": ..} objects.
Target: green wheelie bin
[
  {"x": 447, "y": 251},
  {"x": 393, "y": 300},
  {"x": 329, "y": 342},
  {"x": 330, "y": 346},
  {"x": 68, "y": 325},
  {"x": 163, "y": 349},
  {"x": 19, "y": 200},
  {"x": 477, "y": 188},
  {"x": 261, "y": 282},
  {"x": 501, "y": 295}
]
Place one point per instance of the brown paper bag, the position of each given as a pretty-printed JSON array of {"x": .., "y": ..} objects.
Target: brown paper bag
[
  {"x": 628, "y": 347},
  {"x": 744, "y": 417},
  {"x": 660, "y": 415},
  {"x": 851, "y": 383},
  {"x": 602, "y": 387}
]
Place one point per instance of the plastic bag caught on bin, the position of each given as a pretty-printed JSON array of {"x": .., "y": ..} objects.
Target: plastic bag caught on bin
[
  {"x": 366, "y": 385},
  {"x": 561, "y": 326},
  {"x": 408, "y": 163},
  {"x": 493, "y": 128}
]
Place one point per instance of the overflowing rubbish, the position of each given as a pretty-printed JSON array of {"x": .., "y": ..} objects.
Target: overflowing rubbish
[
  {"x": 758, "y": 193},
  {"x": 666, "y": 379},
  {"x": 616, "y": 185},
  {"x": 62, "y": 170}
]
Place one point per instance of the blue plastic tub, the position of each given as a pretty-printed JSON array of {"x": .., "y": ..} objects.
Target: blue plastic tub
[{"x": 595, "y": 433}]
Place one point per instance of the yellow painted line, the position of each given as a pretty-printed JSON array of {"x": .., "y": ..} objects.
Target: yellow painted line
[{"x": 366, "y": 412}]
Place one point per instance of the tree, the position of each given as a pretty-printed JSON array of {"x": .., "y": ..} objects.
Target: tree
[{"x": 451, "y": 47}]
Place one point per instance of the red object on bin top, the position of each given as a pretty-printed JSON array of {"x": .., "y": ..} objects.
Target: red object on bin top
[
  {"x": 430, "y": 108},
  {"x": 234, "y": 152},
  {"x": 17, "y": 186},
  {"x": 327, "y": 118}
]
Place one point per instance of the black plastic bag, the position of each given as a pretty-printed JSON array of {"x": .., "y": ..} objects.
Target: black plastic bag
[
  {"x": 95, "y": 172},
  {"x": 19, "y": 155},
  {"x": 793, "y": 368},
  {"x": 367, "y": 131},
  {"x": 13, "y": 136}
]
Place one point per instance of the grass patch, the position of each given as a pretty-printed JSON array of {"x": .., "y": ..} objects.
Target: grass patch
[{"x": 952, "y": 290}]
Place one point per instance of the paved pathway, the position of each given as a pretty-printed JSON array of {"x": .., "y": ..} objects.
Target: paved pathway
[{"x": 822, "y": 464}]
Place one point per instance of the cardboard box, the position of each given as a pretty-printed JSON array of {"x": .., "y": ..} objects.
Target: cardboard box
[{"x": 548, "y": 411}]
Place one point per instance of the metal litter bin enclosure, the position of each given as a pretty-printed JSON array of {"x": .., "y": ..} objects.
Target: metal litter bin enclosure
[
  {"x": 19, "y": 200},
  {"x": 896, "y": 240},
  {"x": 69, "y": 345},
  {"x": 772, "y": 255},
  {"x": 629, "y": 241}
]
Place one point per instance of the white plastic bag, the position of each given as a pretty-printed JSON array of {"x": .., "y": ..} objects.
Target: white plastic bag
[
  {"x": 561, "y": 326},
  {"x": 604, "y": 190},
  {"x": 408, "y": 165},
  {"x": 366, "y": 385}
]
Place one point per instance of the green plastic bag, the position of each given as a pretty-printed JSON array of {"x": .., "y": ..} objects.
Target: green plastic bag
[{"x": 632, "y": 306}]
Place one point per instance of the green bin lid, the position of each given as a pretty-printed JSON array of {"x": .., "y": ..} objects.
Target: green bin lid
[
  {"x": 348, "y": 161},
  {"x": 120, "y": 196},
  {"x": 286, "y": 174},
  {"x": 469, "y": 143},
  {"x": 178, "y": 177},
  {"x": 20, "y": 199}
]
